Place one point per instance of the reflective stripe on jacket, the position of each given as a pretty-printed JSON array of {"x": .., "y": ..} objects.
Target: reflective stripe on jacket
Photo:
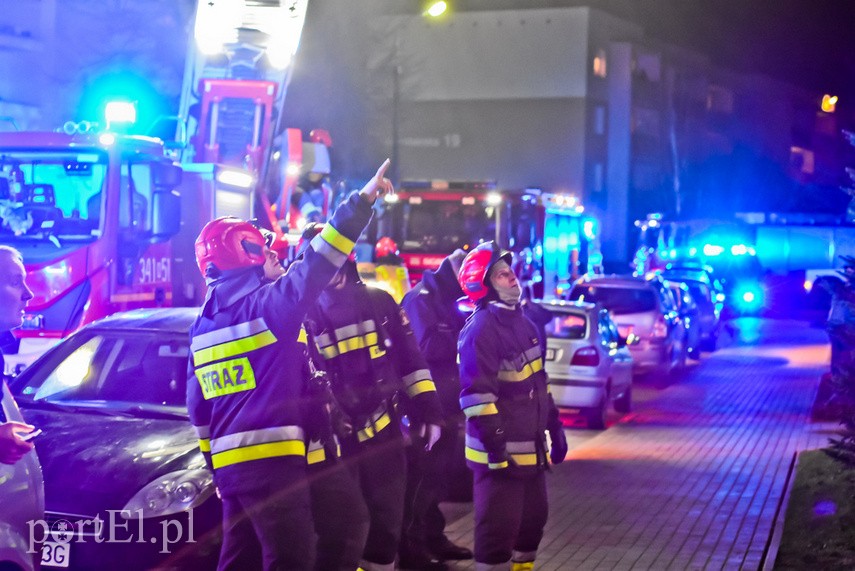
[
  {"x": 503, "y": 390},
  {"x": 246, "y": 378},
  {"x": 365, "y": 341}
]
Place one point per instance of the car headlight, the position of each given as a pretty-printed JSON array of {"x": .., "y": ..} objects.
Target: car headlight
[{"x": 172, "y": 493}]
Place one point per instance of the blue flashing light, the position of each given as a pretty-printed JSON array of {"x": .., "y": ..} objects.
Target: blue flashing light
[
  {"x": 120, "y": 112},
  {"x": 749, "y": 297},
  {"x": 713, "y": 250}
]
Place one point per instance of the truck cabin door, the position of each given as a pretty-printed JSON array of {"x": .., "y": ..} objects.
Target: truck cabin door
[{"x": 142, "y": 274}]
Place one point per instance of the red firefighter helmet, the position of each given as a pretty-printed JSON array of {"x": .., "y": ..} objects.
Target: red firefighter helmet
[
  {"x": 229, "y": 243},
  {"x": 385, "y": 247},
  {"x": 477, "y": 265}
]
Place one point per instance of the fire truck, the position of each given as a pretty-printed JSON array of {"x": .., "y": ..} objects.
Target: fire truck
[
  {"x": 233, "y": 94},
  {"x": 552, "y": 238},
  {"x": 105, "y": 223}
]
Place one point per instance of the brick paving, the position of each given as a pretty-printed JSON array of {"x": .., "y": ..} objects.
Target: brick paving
[{"x": 692, "y": 478}]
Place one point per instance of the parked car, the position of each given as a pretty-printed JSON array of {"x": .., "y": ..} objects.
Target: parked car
[
  {"x": 21, "y": 497},
  {"x": 710, "y": 304},
  {"x": 588, "y": 363},
  {"x": 642, "y": 308},
  {"x": 117, "y": 446},
  {"x": 689, "y": 315}
]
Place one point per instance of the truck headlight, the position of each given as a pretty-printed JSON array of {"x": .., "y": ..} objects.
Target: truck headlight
[{"x": 172, "y": 493}]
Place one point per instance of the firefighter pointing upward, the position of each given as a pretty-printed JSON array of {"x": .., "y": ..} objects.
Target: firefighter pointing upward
[
  {"x": 508, "y": 410},
  {"x": 245, "y": 379},
  {"x": 376, "y": 375}
]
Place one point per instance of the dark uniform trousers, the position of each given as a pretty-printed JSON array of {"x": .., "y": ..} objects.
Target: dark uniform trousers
[
  {"x": 340, "y": 514},
  {"x": 510, "y": 513},
  {"x": 287, "y": 543},
  {"x": 427, "y": 483},
  {"x": 379, "y": 466}
]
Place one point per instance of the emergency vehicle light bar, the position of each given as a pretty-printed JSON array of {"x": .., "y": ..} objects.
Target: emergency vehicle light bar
[{"x": 439, "y": 184}]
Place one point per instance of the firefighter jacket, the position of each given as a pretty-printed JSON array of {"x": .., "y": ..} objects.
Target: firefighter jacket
[
  {"x": 368, "y": 349},
  {"x": 504, "y": 393},
  {"x": 432, "y": 308},
  {"x": 246, "y": 385}
]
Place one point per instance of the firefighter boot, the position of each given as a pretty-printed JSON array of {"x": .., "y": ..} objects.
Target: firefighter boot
[{"x": 445, "y": 550}]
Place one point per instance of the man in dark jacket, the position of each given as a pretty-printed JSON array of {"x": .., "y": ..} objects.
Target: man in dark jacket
[
  {"x": 245, "y": 384},
  {"x": 436, "y": 322},
  {"x": 508, "y": 410},
  {"x": 376, "y": 373}
]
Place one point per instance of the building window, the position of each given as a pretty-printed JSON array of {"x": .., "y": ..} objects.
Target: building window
[
  {"x": 598, "y": 177},
  {"x": 600, "y": 63},
  {"x": 600, "y": 120},
  {"x": 802, "y": 160}
]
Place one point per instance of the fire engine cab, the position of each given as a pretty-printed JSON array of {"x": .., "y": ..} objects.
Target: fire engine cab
[
  {"x": 105, "y": 222},
  {"x": 552, "y": 238}
]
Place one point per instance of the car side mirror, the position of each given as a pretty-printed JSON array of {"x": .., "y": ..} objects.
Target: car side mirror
[{"x": 167, "y": 214}]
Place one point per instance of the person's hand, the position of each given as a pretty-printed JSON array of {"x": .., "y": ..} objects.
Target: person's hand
[
  {"x": 378, "y": 185},
  {"x": 12, "y": 448},
  {"x": 430, "y": 433},
  {"x": 559, "y": 445}
]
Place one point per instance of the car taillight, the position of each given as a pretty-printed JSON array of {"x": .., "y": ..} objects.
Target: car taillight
[
  {"x": 660, "y": 328},
  {"x": 586, "y": 357}
]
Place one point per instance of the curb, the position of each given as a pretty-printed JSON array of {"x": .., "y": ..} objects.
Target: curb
[{"x": 770, "y": 551}]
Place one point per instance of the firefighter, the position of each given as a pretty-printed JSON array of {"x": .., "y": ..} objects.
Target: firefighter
[
  {"x": 377, "y": 375},
  {"x": 508, "y": 410},
  {"x": 245, "y": 379},
  {"x": 338, "y": 510},
  {"x": 436, "y": 323}
]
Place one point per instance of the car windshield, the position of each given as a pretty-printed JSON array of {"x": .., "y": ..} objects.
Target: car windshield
[
  {"x": 50, "y": 193},
  {"x": 567, "y": 326},
  {"x": 113, "y": 369},
  {"x": 618, "y": 300}
]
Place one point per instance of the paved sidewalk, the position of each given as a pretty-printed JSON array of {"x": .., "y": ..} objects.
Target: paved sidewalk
[{"x": 693, "y": 477}]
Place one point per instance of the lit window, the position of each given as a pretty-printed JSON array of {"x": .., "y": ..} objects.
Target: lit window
[
  {"x": 600, "y": 63},
  {"x": 802, "y": 160}
]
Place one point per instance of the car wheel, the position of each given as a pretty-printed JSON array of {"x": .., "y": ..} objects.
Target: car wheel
[
  {"x": 623, "y": 404},
  {"x": 597, "y": 416}
]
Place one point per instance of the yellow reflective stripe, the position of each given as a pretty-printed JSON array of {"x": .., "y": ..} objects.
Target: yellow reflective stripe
[
  {"x": 481, "y": 410},
  {"x": 352, "y": 344},
  {"x": 516, "y": 376},
  {"x": 233, "y": 348},
  {"x": 525, "y": 566},
  {"x": 376, "y": 352},
  {"x": 316, "y": 456},
  {"x": 302, "y": 337},
  {"x": 258, "y": 452},
  {"x": 421, "y": 387},
  {"x": 480, "y": 457},
  {"x": 336, "y": 239},
  {"x": 525, "y": 459},
  {"x": 205, "y": 444},
  {"x": 372, "y": 430}
]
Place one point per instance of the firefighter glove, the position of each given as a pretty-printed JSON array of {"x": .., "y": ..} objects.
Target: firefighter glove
[{"x": 559, "y": 445}]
